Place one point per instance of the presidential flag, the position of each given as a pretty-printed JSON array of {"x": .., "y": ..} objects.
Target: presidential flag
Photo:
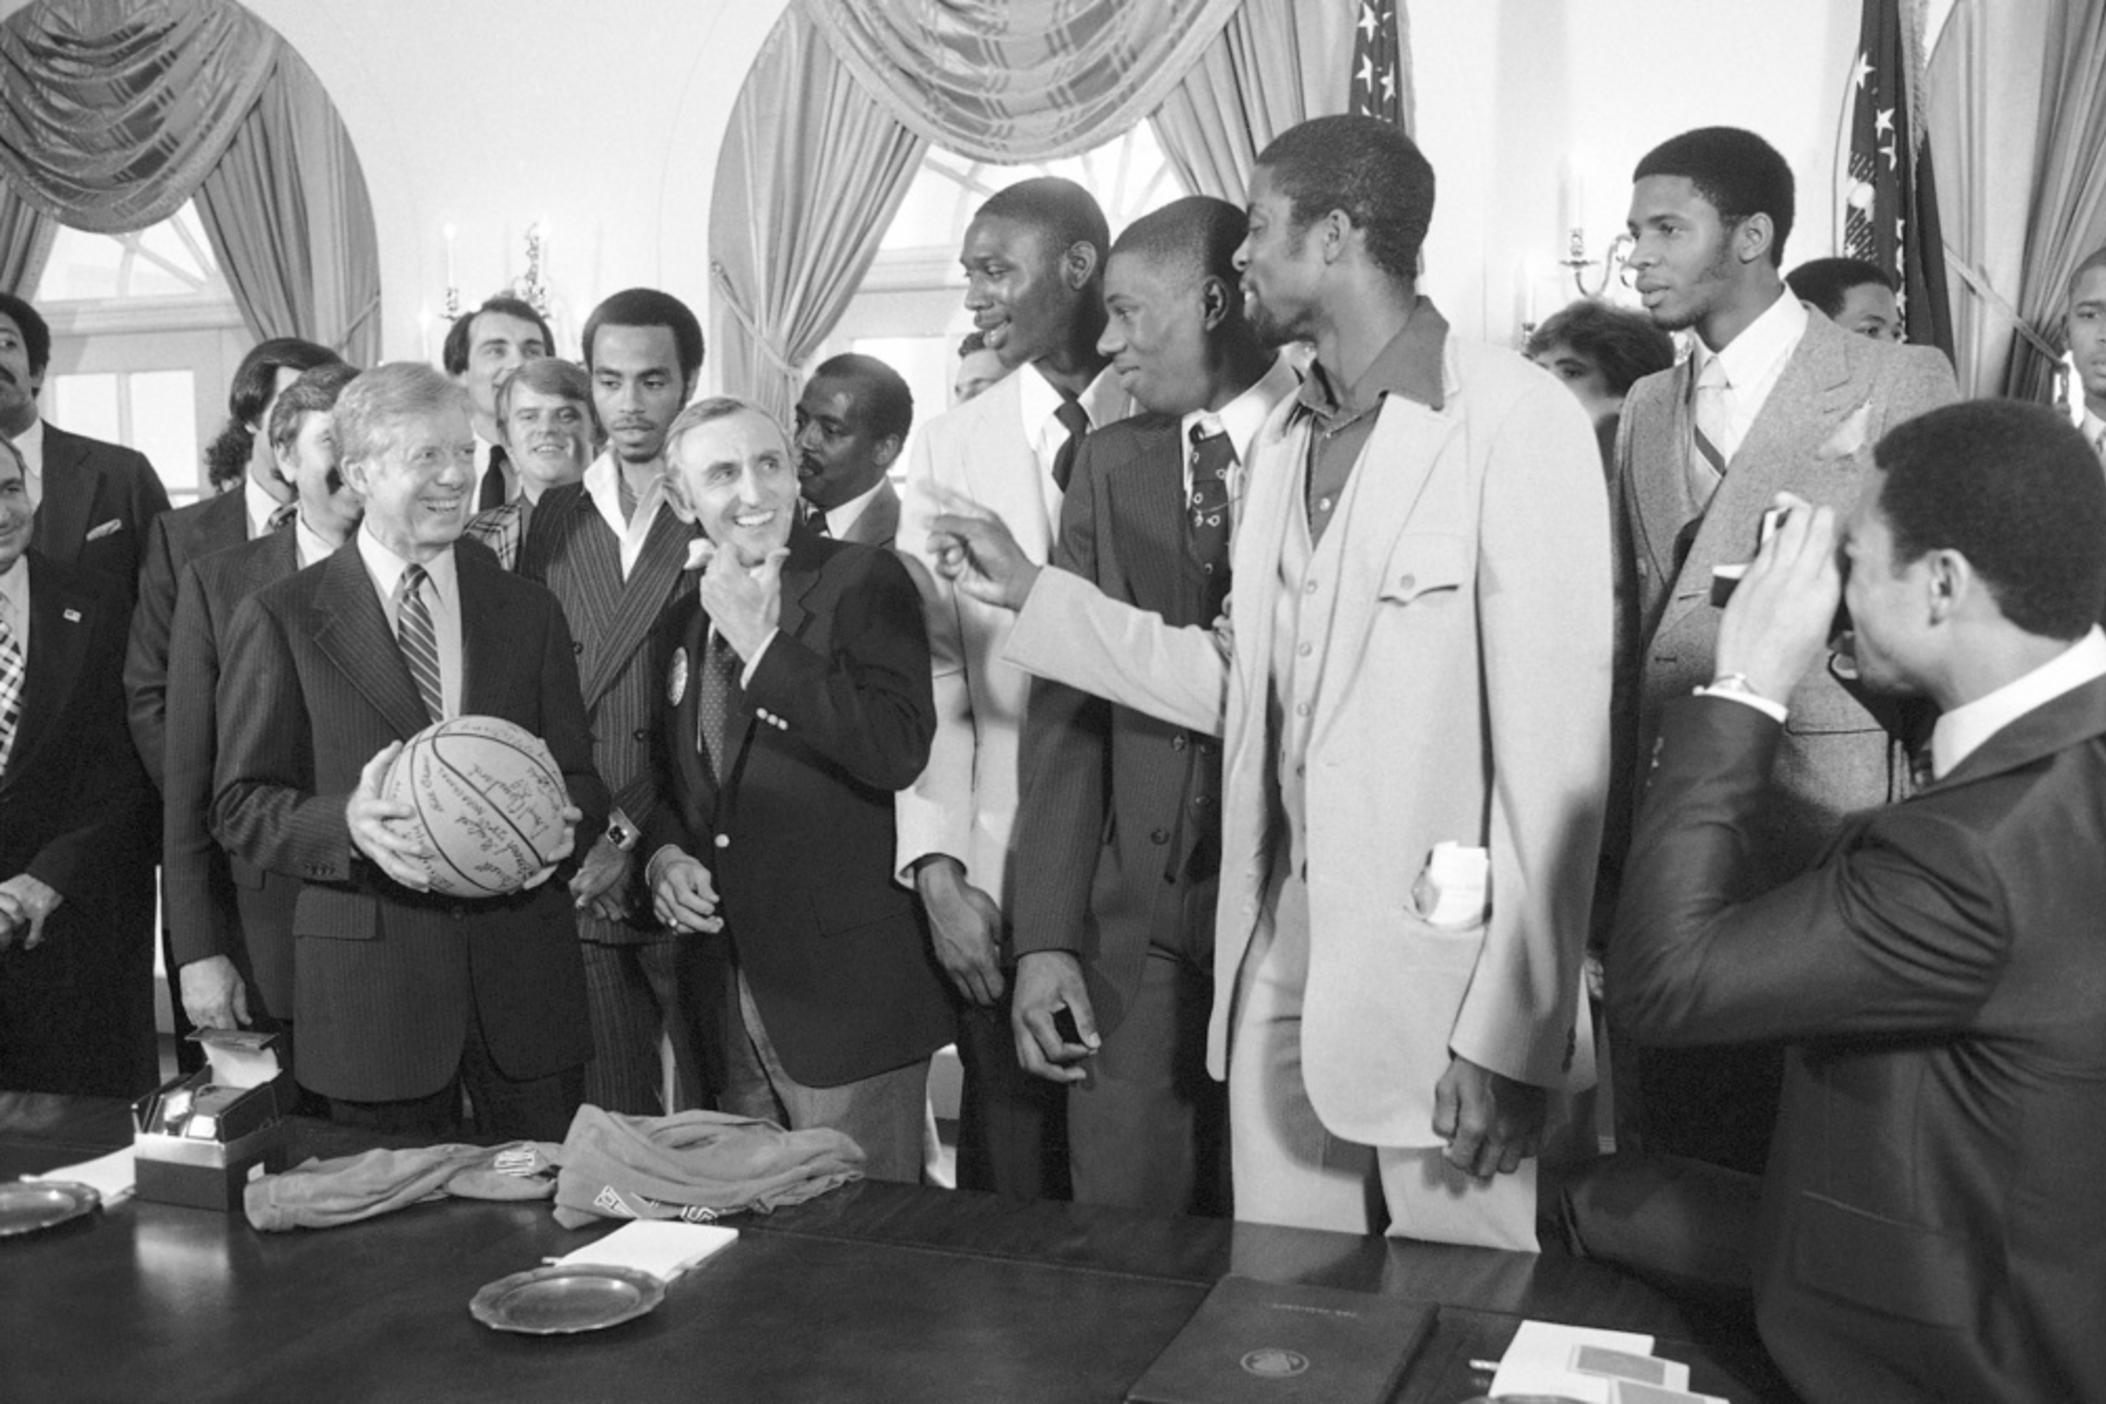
[
  {"x": 1890, "y": 199},
  {"x": 1381, "y": 63}
]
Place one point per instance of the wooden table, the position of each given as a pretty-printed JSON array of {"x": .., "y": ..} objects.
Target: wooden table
[{"x": 874, "y": 1292}]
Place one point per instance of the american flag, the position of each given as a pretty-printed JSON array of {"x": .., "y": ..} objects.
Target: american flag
[
  {"x": 1381, "y": 63},
  {"x": 1890, "y": 199}
]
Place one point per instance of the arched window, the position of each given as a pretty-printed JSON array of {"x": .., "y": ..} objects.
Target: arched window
[
  {"x": 145, "y": 336},
  {"x": 910, "y": 311}
]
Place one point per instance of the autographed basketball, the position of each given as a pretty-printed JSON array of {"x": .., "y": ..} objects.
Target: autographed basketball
[{"x": 489, "y": 799}]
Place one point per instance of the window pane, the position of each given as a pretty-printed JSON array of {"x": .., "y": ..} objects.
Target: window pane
[
  {"x": 84, "y": 404},
  {"x": 83, "y": 268},
  {"x": 164, "y": 425},
  {"x": 926, "y": 364}
]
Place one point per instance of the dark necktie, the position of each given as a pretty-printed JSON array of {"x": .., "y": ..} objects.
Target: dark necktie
[
  {"x": 419, "y": 641},
  {"x": 714, "y": 704},
  {"x": 1076, "y": 420},
  {"x": 14, "y": 673},
  {"x": 493, "y": 490},
  {"x": 1213, "y": 459},
  {"x": 815, "y": 520},
  {"x": 281, "y": 517}
]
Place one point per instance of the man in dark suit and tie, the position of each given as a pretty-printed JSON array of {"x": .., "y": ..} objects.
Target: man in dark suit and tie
[
  {"x": 403, "y": 997},
  {"x": 76, "y": 953},
  {"x": 1771, "y": 398},
  {"x": 1933, "y": 1220},
  {"x": 852, "y": 422},
  {"x": 94, "y": 501},
  {"x": 798, "y": 702},
  {"x": 612, "y": 550},
  {"x": 1120, "y": 811},
  {"x": 482, "y": 351},
  {"x": 230, "y": 922}
]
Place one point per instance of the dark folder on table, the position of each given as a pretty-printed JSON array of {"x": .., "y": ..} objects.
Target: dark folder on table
[{"x": 1284, "y": 1343}]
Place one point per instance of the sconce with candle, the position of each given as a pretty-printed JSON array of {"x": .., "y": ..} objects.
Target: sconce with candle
[{"x": 1610, "y": 263}]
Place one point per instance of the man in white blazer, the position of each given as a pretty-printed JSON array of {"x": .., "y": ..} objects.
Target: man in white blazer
[
  {"x": 1413, "y": 681},
  {"x": 1034, "y": 271}
]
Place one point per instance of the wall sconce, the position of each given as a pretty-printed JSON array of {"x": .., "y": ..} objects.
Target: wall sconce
[
  {"x": 1611, "y": 263},
  {"x": 530, "y": 287}
]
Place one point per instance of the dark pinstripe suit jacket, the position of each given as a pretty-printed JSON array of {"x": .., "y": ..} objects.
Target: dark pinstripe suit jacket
[
  {"x": 800, "y": 837},
  {"x": 619, "y": 626},
  {"x": 175, "y": 540},
  {"x": 312, "y": 687},
  {"x": 214, "y": 904},
  {"x": 1114, "y": 802}
]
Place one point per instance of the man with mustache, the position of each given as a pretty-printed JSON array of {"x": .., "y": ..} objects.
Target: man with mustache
[
  {"x": 612, "y": 550},
  {"x": 1413, "y": 689},
  {"x": 551, "y": 436},
  {"x": 1771, "y": 399},
  {"x": 230, "y": 923},
  {"x": 1034, "y": 282},
  {"x": 852, "y": 422}
]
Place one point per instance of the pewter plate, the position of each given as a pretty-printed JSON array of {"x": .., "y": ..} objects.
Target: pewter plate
[
  {"x": 560, "y": 1300},
  {"x": 30, "y": 1207}
]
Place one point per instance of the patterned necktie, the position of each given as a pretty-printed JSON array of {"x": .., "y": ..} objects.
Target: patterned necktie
[
  {"x": 493, "y": 489},
  {"x": 14, "y": 672},
  {"x": 281, "y": 517},
  {"x": 1076, "y": 420},
  {"x": 1213, "y": 459},
  {"x": 719, "y": 686},
  {"x": 418, "y": 640},
  {"x": 1708, "y": 429}
]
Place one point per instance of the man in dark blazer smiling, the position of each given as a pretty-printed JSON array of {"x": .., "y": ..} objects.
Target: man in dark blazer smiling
[
  {"x": 1933, "y": 1219},
  {"x": 797, "y": 704},
  {"x": 403, "y": 997}
]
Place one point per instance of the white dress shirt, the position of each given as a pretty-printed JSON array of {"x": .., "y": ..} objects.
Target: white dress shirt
[
  {"x": 1102, "y": 400},
  {"x": 840, "y": 519},
  {"x": 309, "y": 545},
  {"x": 2094, "y": 431},
  {"x": 603, "y": 486},
  {"x": 1753, "y": 361},
  {"x": 442, "y": 597},
  {"x": 1960, "y": 732},
  {"x": 259, "y": 504}
]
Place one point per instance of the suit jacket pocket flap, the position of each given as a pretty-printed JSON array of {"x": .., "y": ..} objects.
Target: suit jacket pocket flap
[
  {"x": 1424, "y": 562},
  {"x": 1883, "y": 1264},
  {"x": 336, "y": 915}
]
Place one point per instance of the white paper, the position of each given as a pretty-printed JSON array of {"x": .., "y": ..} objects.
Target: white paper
[
  {"x": 110, "y": 1176},
  {"x": 665, "y": 1248},
  {"x": 1540, "y": 1361}
]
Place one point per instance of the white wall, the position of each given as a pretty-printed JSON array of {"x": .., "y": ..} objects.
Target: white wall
[{"x": 603, "y": 119}]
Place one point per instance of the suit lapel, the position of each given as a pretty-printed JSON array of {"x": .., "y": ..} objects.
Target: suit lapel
[
  {"x": 57, "y": 647},
  {"x": 878, "y": 525},
  {"x": 349, "y": 626},
  {"x": 61, "y": 526},
  {"x": 625, "y": 610},
  {"x": 1148, "y": 519},
  {"x": 1663, "y": 500},
  {"x": 1011, "y": 482},
  {"x": 488, "y": 642}
]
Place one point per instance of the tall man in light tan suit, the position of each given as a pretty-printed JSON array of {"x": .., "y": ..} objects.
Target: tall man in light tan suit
[
  {"x": 1415, "y": 700},
  {"x": 1771, "y": 399},
  {"x": 1034, "y": 282}
]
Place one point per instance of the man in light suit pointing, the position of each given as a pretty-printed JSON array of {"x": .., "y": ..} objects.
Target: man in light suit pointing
[{"x": 1415, "y": 713}]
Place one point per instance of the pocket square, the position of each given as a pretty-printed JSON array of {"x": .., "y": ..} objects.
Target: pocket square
[
  {"x": 1849, "y": 436},
  {"x": 108, "y": 528}
]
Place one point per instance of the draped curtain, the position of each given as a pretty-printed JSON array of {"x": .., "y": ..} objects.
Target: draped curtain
[
  {"x": 2067, "y": 217},
  {"x": 25, "y": 242},
  {"x": 1276, "y": 63},
  {"x": 847, "y": 95},
  {"x": 810, "y": 174},
  {"x": 114, "y": 112}
]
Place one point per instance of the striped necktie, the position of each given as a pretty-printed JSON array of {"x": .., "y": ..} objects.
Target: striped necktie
[
  {"x": 14, "y": 673},
  {"x": 1708, "y": 430},
  {"x": 419, "y": 641}
]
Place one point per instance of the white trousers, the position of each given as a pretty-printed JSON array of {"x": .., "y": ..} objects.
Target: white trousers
[{"x": 1288, "y": 1169}]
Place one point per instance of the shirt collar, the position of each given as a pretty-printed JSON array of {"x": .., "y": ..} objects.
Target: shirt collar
[
  {"x": 1962, "y": 731},
  {"x": 30, "y": 442},
  {"x": 1037, "y": 399},
  {"x": 1242, "y": 417},
  {"x": 2094, "y": 430},
  {"x": 1762, "y": 345},
  {"x": 14, "y": 593},
  {"x": 602, "y": 483},
  {"x": 1410, "y": 365},
  {"x": 840, "y": 519},
  {"x": 308, "y": 544},
  {"x": 386, "y": 567},
  {"x": 259, "y": 503}
]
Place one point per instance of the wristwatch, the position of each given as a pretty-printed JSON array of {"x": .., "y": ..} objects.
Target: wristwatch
[{"x": 620, "y": 832}]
